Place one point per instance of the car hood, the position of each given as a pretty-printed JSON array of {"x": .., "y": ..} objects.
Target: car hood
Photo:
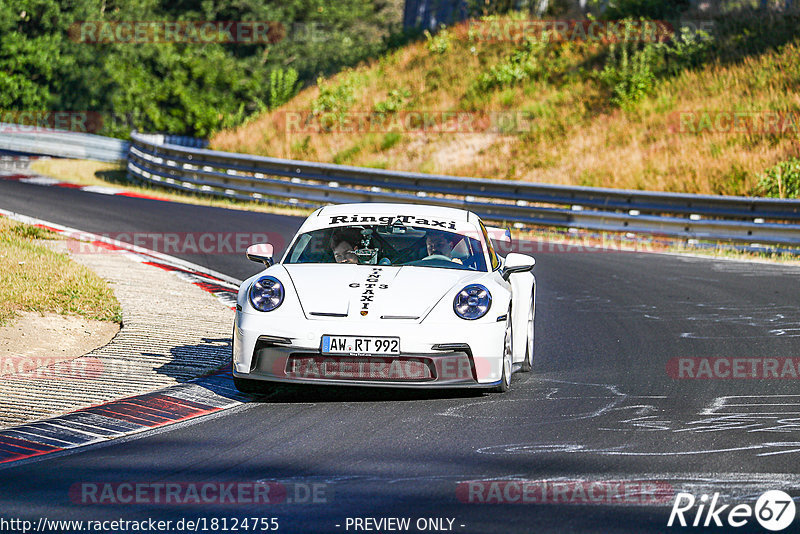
[{"x": 372, "y": 292}]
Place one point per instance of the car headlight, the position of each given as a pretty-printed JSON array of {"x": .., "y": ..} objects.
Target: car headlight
[
  {"x": 266, "y": 293},
  {"x": 472, "y": 302}
]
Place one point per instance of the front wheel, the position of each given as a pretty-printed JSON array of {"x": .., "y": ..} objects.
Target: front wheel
[{"x": 508, "y": 354}]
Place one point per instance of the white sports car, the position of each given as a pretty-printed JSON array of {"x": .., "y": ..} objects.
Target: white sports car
[{"x": 386, "y": 295}]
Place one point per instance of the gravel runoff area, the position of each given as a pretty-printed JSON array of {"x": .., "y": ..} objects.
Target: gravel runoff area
[{"x": 172, "y": 331}]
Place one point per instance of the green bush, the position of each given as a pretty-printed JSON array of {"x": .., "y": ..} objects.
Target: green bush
[
  {"x": 283, "y": 86},
  {"x": 396, "y": 99},
  {"x": 687, "y": 51},
  {"x": 628, "y": 73},
  {"x": 781, "y": 180},
  {"x": 180, "y": 88},
  {"x": 525, "y": 63},
  {"x": 631, "y": 68},
  {"x": 390, "y": 139},
  {"x": 333, "y": 99},
  {"x": 439, "y": 43}
]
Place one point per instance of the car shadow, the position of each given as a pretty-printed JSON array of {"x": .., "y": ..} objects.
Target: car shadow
[{"x": 294, "y": 393}]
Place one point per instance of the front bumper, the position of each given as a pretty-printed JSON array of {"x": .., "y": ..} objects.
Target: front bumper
[{"x": 432, "y": 356}]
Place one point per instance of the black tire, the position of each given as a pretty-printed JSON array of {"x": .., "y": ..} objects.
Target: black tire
[
  {"x": 527, "y": 363},
  {"x": 508, "y": 355}
]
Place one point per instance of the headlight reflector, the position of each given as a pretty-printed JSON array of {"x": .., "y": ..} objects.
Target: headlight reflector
[
  {"x": 472, "y": 302},
  {"x": 266, "y": 293}
]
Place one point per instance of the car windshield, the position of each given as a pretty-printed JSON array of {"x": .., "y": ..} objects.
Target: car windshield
[{"x": 395, "y": 244}]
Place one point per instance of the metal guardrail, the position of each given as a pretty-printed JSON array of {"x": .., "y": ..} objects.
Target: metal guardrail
[
  {"x": 184, "y": 163},
  {"x": 309, "y": 184},
  {"x": 61, "y": 143},
  {"x": 182, "y": 140}
]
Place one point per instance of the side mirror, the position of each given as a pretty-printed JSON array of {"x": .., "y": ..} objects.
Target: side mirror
[
  {"x": 517, "y": 263},
  {"x": 260, "y": 252}
]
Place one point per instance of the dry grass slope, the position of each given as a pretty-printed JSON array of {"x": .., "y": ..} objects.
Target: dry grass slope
[{"x": 577, "y": 135}]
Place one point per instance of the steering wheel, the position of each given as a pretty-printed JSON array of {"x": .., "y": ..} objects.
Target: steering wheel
[{"x": 433, "y": 257}]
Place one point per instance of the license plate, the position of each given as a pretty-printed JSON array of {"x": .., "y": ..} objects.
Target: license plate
[{"x": 360, "y": 345}]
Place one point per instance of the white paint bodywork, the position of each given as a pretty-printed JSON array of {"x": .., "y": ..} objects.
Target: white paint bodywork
[{"x": 416, "y": 305}]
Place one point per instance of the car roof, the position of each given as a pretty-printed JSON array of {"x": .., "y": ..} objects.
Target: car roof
[
  {"x": 386, "y": 208},
  {"x": 323, "y": 217}
]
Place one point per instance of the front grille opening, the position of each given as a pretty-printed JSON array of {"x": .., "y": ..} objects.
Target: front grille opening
[
  {"x": 264, "y": 342},
  {"x": 459, "y": 347},
  {"x": 389, "y": 369}
]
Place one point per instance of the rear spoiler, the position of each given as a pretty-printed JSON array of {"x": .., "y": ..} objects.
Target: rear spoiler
[{"x": 499, "y": 234}]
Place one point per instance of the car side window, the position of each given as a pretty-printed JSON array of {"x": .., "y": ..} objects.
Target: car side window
[
  {"x": 300, "y": 247},
  {"x": 490, "y": 247}
]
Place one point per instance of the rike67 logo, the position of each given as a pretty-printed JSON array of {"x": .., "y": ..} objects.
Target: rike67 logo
[{"x": 774, "y": 510}]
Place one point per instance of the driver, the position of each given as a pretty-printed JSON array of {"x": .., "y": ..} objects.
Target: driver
[
  {"x": 342, "y": 246},
  {"x": 441, "y": 244}
]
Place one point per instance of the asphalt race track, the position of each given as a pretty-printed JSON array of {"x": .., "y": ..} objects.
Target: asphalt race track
[{"x": 599, "y": 407}]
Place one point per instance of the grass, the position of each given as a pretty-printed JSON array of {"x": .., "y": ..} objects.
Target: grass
[
  {"x": 576, "y": 134},
  {"x": 79, "y": 171},
  {"x": 34, "y": 278},
  {"x": 86, "y": 172}
]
